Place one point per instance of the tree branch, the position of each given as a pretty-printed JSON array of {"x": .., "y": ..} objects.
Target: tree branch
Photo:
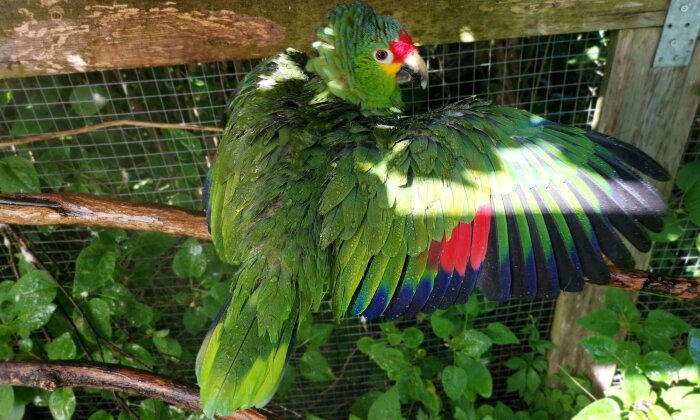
[
  {"x": 101, "y": 126},
  {"x": 86, "y": 210},
  {"x": 642, "y": 281},
  {"x": 51, "y": 375}
]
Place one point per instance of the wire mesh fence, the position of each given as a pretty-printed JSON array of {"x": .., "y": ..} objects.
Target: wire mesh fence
[{"x": 554, "y": 76}]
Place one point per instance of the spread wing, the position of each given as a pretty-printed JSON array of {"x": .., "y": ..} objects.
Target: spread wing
[{"x": 478, "y": 195}]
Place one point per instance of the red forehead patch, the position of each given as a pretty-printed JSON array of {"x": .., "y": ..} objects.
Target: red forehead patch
[{"x": 402, "y": 47}]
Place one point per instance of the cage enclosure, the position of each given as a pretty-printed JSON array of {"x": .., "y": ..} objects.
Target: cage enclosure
[{"x": 126, "y": 101}]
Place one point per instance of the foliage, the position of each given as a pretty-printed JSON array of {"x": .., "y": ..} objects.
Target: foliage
[
  {"x": 658, "y": 363},
  {"x": 95, "y": 316},
  {"x": 683, "y": 224}
]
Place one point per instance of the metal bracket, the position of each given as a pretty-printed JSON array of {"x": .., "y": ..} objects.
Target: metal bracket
[{"x": 680, "y": 31}]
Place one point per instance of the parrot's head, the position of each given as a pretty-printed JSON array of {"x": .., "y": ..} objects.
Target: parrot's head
[{"x": 364, "y": 56}]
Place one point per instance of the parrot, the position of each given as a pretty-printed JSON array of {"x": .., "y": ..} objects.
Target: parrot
[{"x": 323, "y": 185}]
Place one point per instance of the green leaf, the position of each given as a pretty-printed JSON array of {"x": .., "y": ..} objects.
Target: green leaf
[
  {"x": 480, "y": 380},
  {"x": 33, "y": 295},
  {"x": 665, "y": 324},
  {"x": 360, "y": 408},
  {"x": 167, "y": 345},
  {"x": 101, "y": 415},
  {"x": 389, "y": 359},
  {"x": 190, "y": 260},
  {"x": 674, "y": 395},
  {"x": 474, "y": 343},
  {"x": 628, "y": 353},
  {"x": 365, "y": 344},
  {"x": 7, "y": 398},
  {"x": 150, "y": 244},
  {"x": 689, "y": 408},
  {"x": 442, "y": 327},
  {"x": 315, "y": 335},
  {"x": 533, "y": 380},
  {"x": 150, "y": 409},
  {"x": 62, "y": 348},
  {"x": 659, "y": 366},
  {"x": 88, "y": 100},
  {"x": 93, "y": 269},
  {"x": 186, "y": 145},
  {"x": 688, "y": 176},
  {"x": 672, "y": 229},
  {"x": 413, "y": 337},
  {"x": 694, "y": 345},
  {"x": 517, "y": 381},
  {"x": 139, "y": 314},
  {"x": 386, "y": 406},
  {"x": 619, "y": 301},
  {"x": 635, "y": 387},
  {"x": 601, "y": 348},
  {"x": 62, "y": 403},
  {"x": 656, "y": 412},
  {"x": 454, "y": 381},
  {"x": 195, "y": 319},
  {"x": 140, "y": 354},
  {"x": 602, "y": 322},
  {"x": 431, "y": 366},
  {"x": 516, "y": 362},
  {"x": 97, "y": 311},
  {"x": 692, "y": 203},
  {"x": 17, "y": 175},
  {"x": 604, "y": 409},
  {"x": 500, "y": 334},
  {"x": 313, "y": 366}
]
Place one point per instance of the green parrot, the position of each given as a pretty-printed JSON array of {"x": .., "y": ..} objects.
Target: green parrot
[{"x": 322, "y": 184}]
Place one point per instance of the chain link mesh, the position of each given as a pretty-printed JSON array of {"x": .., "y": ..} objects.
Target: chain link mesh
[{"x": 554, "y": 76}]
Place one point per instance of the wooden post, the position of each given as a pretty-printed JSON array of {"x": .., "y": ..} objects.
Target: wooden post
[{"x": 652, "y": 108}]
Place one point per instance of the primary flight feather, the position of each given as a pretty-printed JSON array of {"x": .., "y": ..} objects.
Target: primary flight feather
[{"x": 323, "y": 185}]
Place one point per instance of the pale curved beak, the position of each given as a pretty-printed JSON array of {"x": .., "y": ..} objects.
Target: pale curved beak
[{"x": 415, "y": 66}]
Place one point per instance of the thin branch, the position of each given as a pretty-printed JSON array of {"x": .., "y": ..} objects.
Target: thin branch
[
  {"x": 52, "y": 375},
  {"x": 102, "y": 126},
  {"x": 342, "y": 372},
  {"x": 85, "y": 210}
]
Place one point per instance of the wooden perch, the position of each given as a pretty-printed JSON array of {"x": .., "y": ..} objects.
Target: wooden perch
[
  {"x": 642, "y": 281},
  {"x": 52, "y": 375},
  {"x": 86, "y": 210},
  {"x": 50, "y": 37}
]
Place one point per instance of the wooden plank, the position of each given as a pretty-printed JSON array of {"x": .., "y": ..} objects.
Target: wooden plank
[
  {"x": 652, "y": 108},
  {"x": 62, "y": 36}
]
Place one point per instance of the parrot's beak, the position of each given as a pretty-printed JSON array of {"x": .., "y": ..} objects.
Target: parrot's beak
[{"x": 414, "y": 66}]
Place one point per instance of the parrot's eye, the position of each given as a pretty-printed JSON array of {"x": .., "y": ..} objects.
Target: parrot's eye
[{"x": 384, "y": 56}]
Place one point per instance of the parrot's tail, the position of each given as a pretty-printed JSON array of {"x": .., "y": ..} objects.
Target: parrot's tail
[{"x": 237, "y": 368}]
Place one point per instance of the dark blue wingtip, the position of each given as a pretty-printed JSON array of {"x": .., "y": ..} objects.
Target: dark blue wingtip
[{"x": 206, "y": 205}]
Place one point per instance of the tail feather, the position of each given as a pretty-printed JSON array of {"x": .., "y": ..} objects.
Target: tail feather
[{"x": 237, "y": 368}]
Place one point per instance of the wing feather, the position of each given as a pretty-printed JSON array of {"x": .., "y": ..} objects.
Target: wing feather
[{"x": 478, "y": 195}]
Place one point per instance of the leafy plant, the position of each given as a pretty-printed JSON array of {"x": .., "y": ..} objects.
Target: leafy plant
[
  {"x": 659, "y": 361},
  {"x": 425, "y": 385},
  {"x": 687, "y": 213}
]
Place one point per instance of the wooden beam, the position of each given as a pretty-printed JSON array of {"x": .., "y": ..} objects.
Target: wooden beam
[
  {"x": 63, "y": 36},
  {"x": 652, "y": 108}
]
